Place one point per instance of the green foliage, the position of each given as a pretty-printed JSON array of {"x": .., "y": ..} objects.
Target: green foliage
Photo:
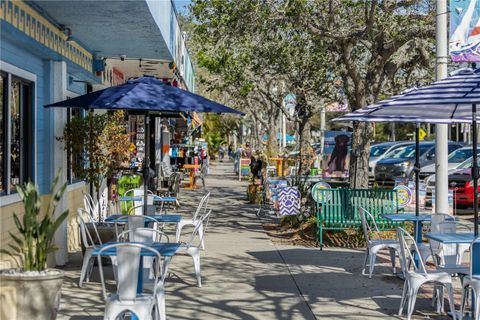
[
  {"x": 217, "y": 127},
  {"x": 103, "y": 141},
  {"x": 37, "y": 233}
]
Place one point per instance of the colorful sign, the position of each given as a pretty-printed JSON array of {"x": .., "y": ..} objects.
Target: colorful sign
[
  {"x": 404, "y": 195},
  {"x": 244, "y": 168},
  {"x": 317, "y": 195},
  {"x": 465, "y": 30},
  {"x": 336, "y": 154}
]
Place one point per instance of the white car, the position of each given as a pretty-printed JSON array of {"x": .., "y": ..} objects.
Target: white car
[
  {"x": 454, "y": 159},
  {"x": 383, "y": 150}
]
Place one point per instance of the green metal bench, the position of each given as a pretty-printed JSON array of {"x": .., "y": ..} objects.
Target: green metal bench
[{"x": 339, "y": 209}]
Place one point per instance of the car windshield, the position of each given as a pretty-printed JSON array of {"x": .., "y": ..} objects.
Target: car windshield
[
  {"x": 393, "y": 152},
  {"x": 409, "y": 152},
  {"x": 376, "y": 151},
  {"x": 460, "y": 155},
  {"x": 467, "y": 164}
]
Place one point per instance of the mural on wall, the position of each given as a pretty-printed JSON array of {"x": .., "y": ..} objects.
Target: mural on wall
[{"x": 465, "y": 30}]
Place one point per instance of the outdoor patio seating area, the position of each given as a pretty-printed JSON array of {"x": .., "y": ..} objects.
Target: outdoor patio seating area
[{"x": 246, "y": 275}]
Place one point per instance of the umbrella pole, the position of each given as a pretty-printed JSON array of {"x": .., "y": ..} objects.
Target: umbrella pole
[
  {"x": 475, "y": 169},
  {"x": 146, "y": 164},
  {"x": 418, "y": 233}
]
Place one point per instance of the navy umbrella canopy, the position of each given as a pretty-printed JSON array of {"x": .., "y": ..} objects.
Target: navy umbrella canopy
[
  {"x": 145, "y": 94},
  {"x": 450, "y": 100}
]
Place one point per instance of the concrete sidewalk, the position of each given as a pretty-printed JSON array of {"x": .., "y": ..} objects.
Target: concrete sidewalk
[{"x": 246, "y": 276}]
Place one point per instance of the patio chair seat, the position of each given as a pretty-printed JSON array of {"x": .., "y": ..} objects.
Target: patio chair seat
[{"x": 142, "y": 306}]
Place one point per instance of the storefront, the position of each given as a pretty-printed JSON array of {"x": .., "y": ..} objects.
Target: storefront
[{"x": 55, "y": 50}]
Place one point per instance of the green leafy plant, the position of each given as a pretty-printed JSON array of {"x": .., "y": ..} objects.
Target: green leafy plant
[{"x": 35, "y": 241}]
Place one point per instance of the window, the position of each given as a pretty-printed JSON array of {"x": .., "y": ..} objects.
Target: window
[
  {"x": 16, "y": 138},
  {"x": 74, "y": 160}
]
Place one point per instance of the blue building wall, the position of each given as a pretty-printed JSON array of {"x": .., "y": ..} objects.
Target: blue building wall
[{"x": 20, "y": 51}]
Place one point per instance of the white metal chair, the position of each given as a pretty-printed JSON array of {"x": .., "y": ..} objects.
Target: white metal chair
[
  {"x": 192, "y": 249},
  {"x": 91, "y": 206},
  {"x": 448, "y": 257},
  {"x": 88, "y": 241},
  {"x": 193, "y": 221},
  {"x": 417, "y": 277},
  {"x": 375, "y": 243},
  {"x": 433, "y": 248},
  {"x": 126, "y": 298},
  {"x": 472, "y": 281},
  {"x": 138, "y": 192}
]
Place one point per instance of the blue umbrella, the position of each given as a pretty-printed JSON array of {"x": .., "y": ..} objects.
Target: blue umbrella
[
  {"x": 144, "y": 95},
  {"x": 450, "y": 100}
]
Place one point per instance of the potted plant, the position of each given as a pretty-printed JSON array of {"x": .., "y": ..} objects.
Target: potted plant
[{"x": 33, "y": 291}]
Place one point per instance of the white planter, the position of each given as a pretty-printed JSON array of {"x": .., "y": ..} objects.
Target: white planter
[{"x": 31, "y": 295}]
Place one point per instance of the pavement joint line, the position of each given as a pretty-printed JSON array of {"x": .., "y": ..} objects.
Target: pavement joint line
[{"x": 295, "y": 281}]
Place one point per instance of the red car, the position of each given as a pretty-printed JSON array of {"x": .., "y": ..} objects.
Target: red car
[{"x": 461, "y": 183}]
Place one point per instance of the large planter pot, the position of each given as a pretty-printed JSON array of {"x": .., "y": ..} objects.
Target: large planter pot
[{"x": 30, "y": 295}]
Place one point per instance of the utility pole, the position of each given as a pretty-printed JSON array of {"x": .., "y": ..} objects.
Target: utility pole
[{"x": 441, "y": 142}]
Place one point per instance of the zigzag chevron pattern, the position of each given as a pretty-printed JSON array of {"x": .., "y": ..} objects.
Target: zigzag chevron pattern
[{"x": 289, "y": 201}]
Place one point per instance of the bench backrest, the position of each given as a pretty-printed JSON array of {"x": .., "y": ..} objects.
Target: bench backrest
[{"x": 342, "y": 206}]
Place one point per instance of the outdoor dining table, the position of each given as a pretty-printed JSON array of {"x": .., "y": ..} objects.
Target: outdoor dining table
[
  {"x": 165, "y": 249},
  {"x": 173, "y": 218},
  {"x": 410, "y": 217},
  {"x": 459, "y": 238},
  {"x": 191, "y": 172}
]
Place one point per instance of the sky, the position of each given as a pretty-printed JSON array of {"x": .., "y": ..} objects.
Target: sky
[{"x": 181, "y": 4}]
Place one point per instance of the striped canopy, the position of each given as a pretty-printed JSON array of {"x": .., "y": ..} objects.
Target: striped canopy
[{"x": 445, "y": 101}]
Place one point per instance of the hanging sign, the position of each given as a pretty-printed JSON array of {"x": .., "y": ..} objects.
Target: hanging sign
[
  {"x": 290, "y": 102},
  {"x": 464, "y": 40},
  {"x": 404, "y": 195}
]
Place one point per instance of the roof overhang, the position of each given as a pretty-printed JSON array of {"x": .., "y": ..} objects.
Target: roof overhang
[{"x": 109, "y": 28}]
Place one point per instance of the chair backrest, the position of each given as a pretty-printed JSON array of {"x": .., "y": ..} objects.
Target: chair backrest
[
  {"x": 85, "y": 220},
  {"x": 138, "y": 192},
  {"x": 475, "y": 258},
  {"x": 369, "y": 226},
  {"x": 203, "y": 204},
  {"x": 90, "y": 205},
  {"x": 128, "y": 259},
  {"x": 202, "y": 221},
  {"x": 144, "y": 235},
  {"x": 138, "y": 210},
  {"x": 134, "y": 222},
  {"x": 409, "y": 250}
]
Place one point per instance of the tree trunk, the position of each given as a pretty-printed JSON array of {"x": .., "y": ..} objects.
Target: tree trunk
[{"x": 360, "y": 155}]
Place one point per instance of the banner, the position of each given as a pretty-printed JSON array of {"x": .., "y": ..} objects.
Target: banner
[
  {"x": 336, "y": 153},
  {"x": 465, "y": 30}
]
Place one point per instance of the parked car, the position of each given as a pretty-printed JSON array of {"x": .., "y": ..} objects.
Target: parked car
[
  {"x": 400, "y": 164},
  {"x": 381, "y": 150},
  {"x": 459, "y": 180},
  {"x": 454, "y": 159}
]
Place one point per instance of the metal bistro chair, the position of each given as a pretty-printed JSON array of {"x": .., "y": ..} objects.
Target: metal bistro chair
[
  {"x": 91, "y": 206},
  {"x": 194, "y": 220},
  {"x": 88, "y": 241},
  {"x": 417, "y": 277},
  {"x": 192, "y": 249},
  {"x": 375, "y": 243},
  {"x": 147, "y": 236},
  {"x": 472, "y": 281},
  {"x": 126, "y": 298}
]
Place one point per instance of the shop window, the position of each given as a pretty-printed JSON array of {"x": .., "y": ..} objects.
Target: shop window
[
  {"x": 16, "y": 138},
  {"x": 74, "y": 160}
]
